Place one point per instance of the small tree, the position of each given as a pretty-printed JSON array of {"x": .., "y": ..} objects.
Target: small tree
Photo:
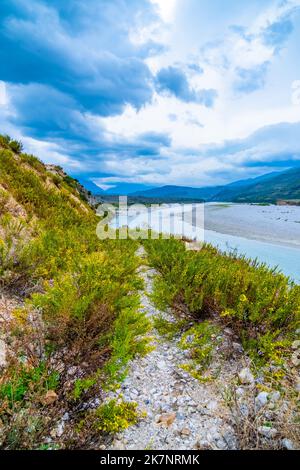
[{"x": 16, "y": 146}]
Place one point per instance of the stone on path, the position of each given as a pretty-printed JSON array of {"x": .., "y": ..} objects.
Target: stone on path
[{"x": 166, "y": 419}]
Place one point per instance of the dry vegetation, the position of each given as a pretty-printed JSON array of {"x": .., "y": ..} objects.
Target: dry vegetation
[{"x": 69, "y": 303}]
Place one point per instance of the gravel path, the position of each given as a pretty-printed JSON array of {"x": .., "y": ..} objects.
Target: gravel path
[{"x": 182, "y": 413}]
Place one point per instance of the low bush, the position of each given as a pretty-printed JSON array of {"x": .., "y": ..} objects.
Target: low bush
[
  {"x": 113, "y": 416},
  {"x": 260, "y": 304},
  {"x": 200, "y": 341}
]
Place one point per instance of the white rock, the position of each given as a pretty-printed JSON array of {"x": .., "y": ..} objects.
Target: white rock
[
  {"x": 297, "y": 385},
  {"x": 261, "y": 399},
  {"x": 244, "y": 409},
  {"x": 296, "y": 358},
  {"x": 161, "y": 365},
  {"x": 212, "y": 405},
  {"x": 66, "y": 417},
  {"x": 58, "y": 431},
  {"x": 275, "y": 396},
  {"x": 119, "y": 445},
  {"x": 296, "y": 344},
  {"x": 267, "y": 432},
  {"x": 237, "y": 347},
  {"x": 246, "y": 376},
  {"x": 2, "y": 353},
  {"x": 288, "y": 444},
  {"x": 228, "y": 331},
  {"x": 72, "y": 370}
]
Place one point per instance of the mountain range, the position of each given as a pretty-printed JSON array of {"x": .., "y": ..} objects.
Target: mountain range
[{"x": 269, "y": 188}]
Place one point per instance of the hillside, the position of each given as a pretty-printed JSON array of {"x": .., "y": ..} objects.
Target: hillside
[
  {"x": 68, "y": 309},
  {"x": 266, "y": 188},
  {"x": 285, "y": 186}
]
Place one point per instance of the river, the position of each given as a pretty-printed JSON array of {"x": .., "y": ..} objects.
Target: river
[{"x": 270, "y": 234}]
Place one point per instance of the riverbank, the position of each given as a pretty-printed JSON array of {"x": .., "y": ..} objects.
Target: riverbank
[
  {"x": 270, "y": 224},
  {"x": 270, "y": 234}
]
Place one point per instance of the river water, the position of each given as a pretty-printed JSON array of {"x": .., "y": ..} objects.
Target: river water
[{"x": 270, "y": 234}]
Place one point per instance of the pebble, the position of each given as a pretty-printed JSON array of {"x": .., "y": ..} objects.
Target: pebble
[
  {"x": 185, "y": 432},
  {"x": 2, "y": 353},
  {"x": 275, "y": 396},
  {"x": 246, "y": 377},
  {"x": 161, "y": 365},
  {"x": 267, "y": 432},
  {"x": 296, "y": 358},
  {"x": 261, "y": 400},
  {"x": 297, "y": 385},
  {"x": 228, "y": 331},
  {"x": 237, "y": 347},
  {"x": 72, "y": 370},
  {"x": 212, "y": 405},
  {"x": 296, "y": 344},
  {"x": 288, "y": 444}
]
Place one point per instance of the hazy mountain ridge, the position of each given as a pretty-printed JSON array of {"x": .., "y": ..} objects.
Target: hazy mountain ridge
[{"x": 270, "y": 187}]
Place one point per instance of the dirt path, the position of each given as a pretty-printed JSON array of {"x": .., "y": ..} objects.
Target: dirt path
[{"x": 182, "y": 413}]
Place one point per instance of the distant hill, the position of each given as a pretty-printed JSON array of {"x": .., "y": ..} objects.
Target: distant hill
[
  {"x": 180, "y": 192},
  {"x": 266, "y": 188},
  {"x": 232, "y": 191},
  {"x": 283, "y": 186},
  {"x": 118, "y": 189},
  {"x": 270, "y": 188}
]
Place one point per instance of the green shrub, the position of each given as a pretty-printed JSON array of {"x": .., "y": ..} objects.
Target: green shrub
[
  {"x": 4, "y": 141},
  {"x": 16, "y": 146},
  {"x": 200, "y": 340},
  {"x": 7, "y": 142},
  {"x": 34, "y": 162},
  {"x": 113, "y": 417},
  {"x": 169, "y": 329},
  {"x": 129, "y": 339},
  {"x": 24, "y": 380},
  {"x": 246, "y": 295}
]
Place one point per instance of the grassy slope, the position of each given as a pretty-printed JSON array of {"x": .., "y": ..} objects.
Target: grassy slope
[{"x": 77, "y": 310}]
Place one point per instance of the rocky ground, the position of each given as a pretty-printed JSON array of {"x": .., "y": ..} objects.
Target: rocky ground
[
  {"x": 233, "y": 410},
  {"x": 7, "y": 304},
  {"x": 180, "y": 411}
]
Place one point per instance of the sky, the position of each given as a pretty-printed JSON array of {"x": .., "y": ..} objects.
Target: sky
[{"x": 129, "y": 94}]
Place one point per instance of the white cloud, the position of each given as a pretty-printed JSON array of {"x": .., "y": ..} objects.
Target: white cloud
[
  {"x": 166, "y": 9},
  {"x": 98, "y": 182},
  {"x": 195, "y": 131},
  {"x": 3, "y": 97},
  {"x": 50, "y": 152}
]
